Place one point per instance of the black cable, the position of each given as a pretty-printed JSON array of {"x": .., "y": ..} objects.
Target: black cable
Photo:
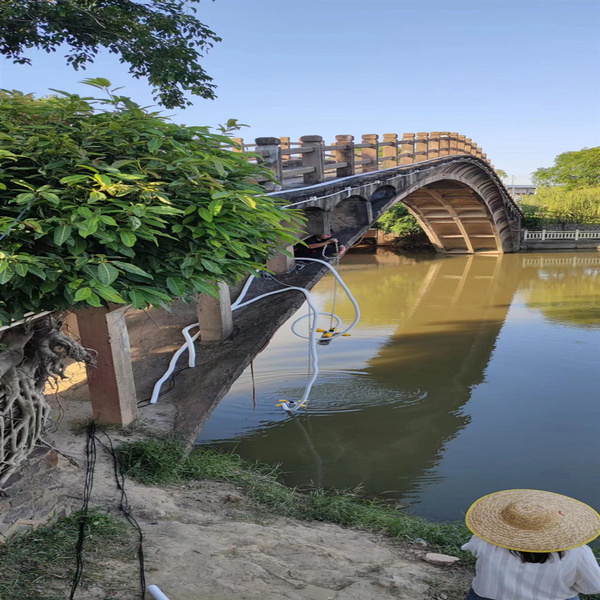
[
  {"x": 170, "y": 386},
  {"x": 90, "y": 452},
  {"x": 16, "y": 220},
  {"x": 125, "y": 508}
]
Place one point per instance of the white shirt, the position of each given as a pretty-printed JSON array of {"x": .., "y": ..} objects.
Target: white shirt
[{"x": 502, "y": 576}]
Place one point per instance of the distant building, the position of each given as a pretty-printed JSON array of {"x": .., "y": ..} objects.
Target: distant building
[{"x": 518, "y": 192}]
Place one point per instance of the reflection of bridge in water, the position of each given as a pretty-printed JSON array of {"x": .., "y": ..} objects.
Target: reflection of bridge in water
[
  {"x": 406, "y": 401},
  {"x": 391, "y": 399}
]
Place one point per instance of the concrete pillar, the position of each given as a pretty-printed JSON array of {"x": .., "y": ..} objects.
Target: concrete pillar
[
  {"x": 421, "y": 146},
  {"x": 390, "y": 153},
  {"x": 407, "y": 149},
  {"x": 239, "y": 147},
  {"x": 370, "y": 154},
  {"x": 280, "y": 262},
  {"x": 444, "y": 143},
  {"x": 317, "y": 221},
  {"x": 214, "y": 315},
  {"x": 269, "y": 156},
  {"x": 453, "y": 141},
  {"x": 110, "y": 383},
  {"x": 460, "y": 144},
  {"x": 313, "y": 159},
  {"x": 433, "y": 149},
  {"x": 344, "y": 154}
]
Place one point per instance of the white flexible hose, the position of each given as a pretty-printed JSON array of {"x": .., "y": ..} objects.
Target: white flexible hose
[
  {"x": 155, "y": 592},
  {"x": 344, "y": 287},
  {"x": 312, "y": 337}
]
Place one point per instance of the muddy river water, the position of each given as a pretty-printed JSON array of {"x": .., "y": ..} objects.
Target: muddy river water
[{"x": 466, "y": 375}]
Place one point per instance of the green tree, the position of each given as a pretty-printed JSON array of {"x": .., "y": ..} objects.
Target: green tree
[
  {"x": 121, "y": 205},
  {"x": 502, "y": 174},
  {"x": 104, "y": 202},
  {"x": 399, "y": 220},
  {"x": 573, "y": 170},
  {"x": 159, "y": 39}
]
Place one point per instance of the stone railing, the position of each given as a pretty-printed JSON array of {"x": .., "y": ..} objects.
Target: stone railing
[
  {"x": 544, "y": 234},
  {"x": 310, "y": 161}
]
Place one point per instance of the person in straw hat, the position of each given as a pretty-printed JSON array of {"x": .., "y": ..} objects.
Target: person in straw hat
[{"x": 530, "y": 545}]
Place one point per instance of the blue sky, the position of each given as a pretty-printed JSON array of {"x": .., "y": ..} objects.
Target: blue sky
[{"x": 522, "y": 78}]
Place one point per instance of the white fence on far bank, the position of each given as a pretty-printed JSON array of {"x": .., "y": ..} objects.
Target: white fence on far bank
[{"x": 577, "y": 234}]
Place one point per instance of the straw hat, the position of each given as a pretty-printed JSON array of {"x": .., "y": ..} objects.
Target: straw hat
[{"x": 533, "y": 521}]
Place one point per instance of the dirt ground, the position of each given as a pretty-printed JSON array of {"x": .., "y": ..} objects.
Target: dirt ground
[{"x": 205, "y": 541}]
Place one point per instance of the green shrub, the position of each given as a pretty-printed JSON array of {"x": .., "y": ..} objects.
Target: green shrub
[
  {"x": 399, "y": 220},
  {"x": 103, "y": 201},
  {"x": 559, "y": 205}
]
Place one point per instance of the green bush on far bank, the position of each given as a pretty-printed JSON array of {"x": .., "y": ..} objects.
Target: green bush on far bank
[
  {"x": 398, "y": 220},
  {"x": 561, "y": 206}
]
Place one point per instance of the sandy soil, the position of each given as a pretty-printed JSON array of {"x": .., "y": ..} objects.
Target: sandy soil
[{"x": 206, "y": 541}]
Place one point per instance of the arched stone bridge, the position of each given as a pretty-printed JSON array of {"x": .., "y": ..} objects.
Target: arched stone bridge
[{"x": 444, "y": 180}]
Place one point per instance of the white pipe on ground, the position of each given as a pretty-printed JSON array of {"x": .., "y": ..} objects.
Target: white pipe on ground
[{"x": 155, "y": 592}]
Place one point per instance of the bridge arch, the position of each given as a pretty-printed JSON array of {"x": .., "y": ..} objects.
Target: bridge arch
[{"x": 459, "y": 201}]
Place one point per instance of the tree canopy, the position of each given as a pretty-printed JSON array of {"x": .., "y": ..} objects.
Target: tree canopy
[
  {"x": 102, "y": 201},
  {"x": 574, "y": 170},
  {"x": 161, "y": 40}
]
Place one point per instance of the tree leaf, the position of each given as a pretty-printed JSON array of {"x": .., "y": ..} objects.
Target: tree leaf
[
  {"x": 74, "y": 178},
  {"x": 53, "y": 198},
  {"x": 154, "y": 144},
  {"x": 211, "y": 266},
  {"x": 61, "y": 234},
  {"x": 176, "y": 286},
  {"x": 83, "y": 294},
  {"x": 106, "y": 273},
  {"x": 88, "y": 227},
  {"x": 132, "y": 269},
  {"x": 110, "y": 294},
  {"x": 37, "y": 272},
  {"x": 207, "y": 216},
  {"x": 138, "y": 299},
  {"x": 6, "y": 275},
  {"x": 94, "y": 300},
  {"x": 128, "y": 238},
  {"x": 21, "y": 269}
]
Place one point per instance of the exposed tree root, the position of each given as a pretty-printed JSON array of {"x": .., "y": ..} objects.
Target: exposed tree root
[{"x": 29, "y": 355}]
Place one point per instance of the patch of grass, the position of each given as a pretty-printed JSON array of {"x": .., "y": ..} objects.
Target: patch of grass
[
  {"x": 39, "y": 565},
  {"x": 164, "y": 461}
]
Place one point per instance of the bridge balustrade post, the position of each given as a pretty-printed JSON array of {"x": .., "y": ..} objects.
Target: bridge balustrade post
[
  {"x": 370, "y": 154},
  {"x": 239, "y": 147},
  {"x": 434, "y": 145},
  {"x": 344, "y": 154},
  {"x": 407, "y": 143},
  {"x": 285, "y": 158},
  {"x": 453, "y": 137},
  {"x": 270, "y": 156},
  {"x": 468, "y": 146},
  {"x": 314, "y": 159},
  {"x": 421, "y": 146},
  {"x": 478, "y": 152},
  {"x": 215, "y": 316},
  {"x": 460, "y": 144},
  {"x": 444, "y": 143},
  {"x": 484, "y": 156},
  {"x": 390, "y": 152}
]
